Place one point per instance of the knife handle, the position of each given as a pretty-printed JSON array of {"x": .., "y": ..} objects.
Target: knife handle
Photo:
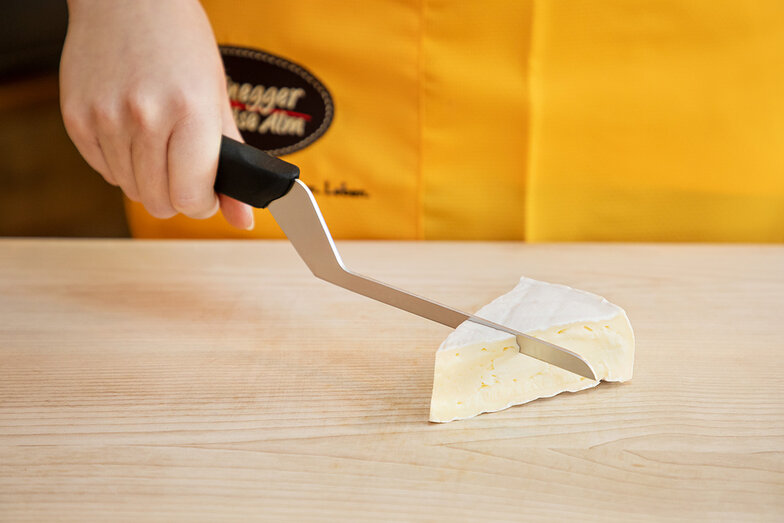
[{"x": 252, "y": 176}]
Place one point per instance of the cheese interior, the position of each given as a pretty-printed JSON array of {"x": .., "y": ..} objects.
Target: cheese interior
[{"x": 479, "y": 369}]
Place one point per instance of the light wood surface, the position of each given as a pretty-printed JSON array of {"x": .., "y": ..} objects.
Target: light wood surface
[{"x": 214, "y": 381}]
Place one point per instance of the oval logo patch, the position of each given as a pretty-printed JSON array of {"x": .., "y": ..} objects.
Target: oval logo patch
[{"x": 278, "y": 105}]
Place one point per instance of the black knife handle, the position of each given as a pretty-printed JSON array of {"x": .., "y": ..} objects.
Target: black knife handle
[{"x": 252, "y": 176}]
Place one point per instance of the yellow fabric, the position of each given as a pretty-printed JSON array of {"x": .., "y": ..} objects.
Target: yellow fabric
[
  {"x": 646, "y": 120},
  {"x": 658, "y": 120}
]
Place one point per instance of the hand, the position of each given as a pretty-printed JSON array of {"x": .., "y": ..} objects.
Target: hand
[{"x": 143, "y": 96}]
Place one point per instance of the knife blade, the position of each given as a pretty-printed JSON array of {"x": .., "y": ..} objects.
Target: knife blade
[{"x": 258, "y": 179}]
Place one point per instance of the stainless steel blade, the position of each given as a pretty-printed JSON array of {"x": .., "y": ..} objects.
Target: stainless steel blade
[{"x": 299, "y": 216}]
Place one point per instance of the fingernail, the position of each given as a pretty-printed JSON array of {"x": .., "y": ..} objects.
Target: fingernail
[{"x": 252, "y": 223}]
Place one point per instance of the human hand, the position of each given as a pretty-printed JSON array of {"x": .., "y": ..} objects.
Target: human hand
[{"x": 143, "y": 97}]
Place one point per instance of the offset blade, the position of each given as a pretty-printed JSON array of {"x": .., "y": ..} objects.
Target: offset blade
[{"x": 300, "y": 218}]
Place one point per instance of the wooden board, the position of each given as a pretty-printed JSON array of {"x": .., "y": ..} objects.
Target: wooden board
[{"x": 215, "y": 381}]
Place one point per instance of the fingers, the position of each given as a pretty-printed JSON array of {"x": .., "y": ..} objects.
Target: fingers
[
  {"x": 107, "y": 120},
  {"x": 238, "y": 214},
  {"x": 116, "y": 153},
  {"x": 146, "y": 123},
  {"x": 97, "y": 135},
  {"x": 149, "y": 162},
  {"x": 78, "y": 129},
  {"x": 192, "y": 161},
  {"x": 169, "y": 166}
]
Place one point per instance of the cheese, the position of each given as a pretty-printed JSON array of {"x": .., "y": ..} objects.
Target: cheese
[{"x": 479, "y": 369}]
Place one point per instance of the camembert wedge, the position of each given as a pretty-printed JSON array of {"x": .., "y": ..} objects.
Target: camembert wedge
[{"x": 479, "y": 369}]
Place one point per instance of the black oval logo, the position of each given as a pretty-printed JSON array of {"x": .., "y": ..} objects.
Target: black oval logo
[{"x": 279, "y": 106}]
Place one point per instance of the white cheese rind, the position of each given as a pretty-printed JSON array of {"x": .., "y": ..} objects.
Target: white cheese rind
[
  {"x": 532, "y": 305},
  {"x": 479, "y": 369}
]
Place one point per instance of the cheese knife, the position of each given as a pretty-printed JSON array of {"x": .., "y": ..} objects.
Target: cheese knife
[{"x": 250, "y": 175}]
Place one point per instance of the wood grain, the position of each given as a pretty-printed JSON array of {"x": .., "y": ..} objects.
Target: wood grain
[{"x": 206, "y": 381}]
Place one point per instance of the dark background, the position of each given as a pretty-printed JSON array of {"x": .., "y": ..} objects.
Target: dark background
[{"x": 46, "y": 189}]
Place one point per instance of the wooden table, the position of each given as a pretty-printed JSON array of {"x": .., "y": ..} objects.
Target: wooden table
[{"x": 213, "y": 381}]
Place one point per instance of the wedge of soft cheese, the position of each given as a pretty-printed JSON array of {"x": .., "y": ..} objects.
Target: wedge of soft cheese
[{"x": 479, "y": 369}]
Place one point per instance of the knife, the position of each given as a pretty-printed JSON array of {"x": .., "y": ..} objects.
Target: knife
[{"x": 250, "y": 175}]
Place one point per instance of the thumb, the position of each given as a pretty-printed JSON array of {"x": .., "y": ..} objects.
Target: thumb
[{"x": 238, "y": 214}]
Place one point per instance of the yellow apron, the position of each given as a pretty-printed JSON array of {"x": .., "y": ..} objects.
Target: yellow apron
[{"x": 540, "y": 120}]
